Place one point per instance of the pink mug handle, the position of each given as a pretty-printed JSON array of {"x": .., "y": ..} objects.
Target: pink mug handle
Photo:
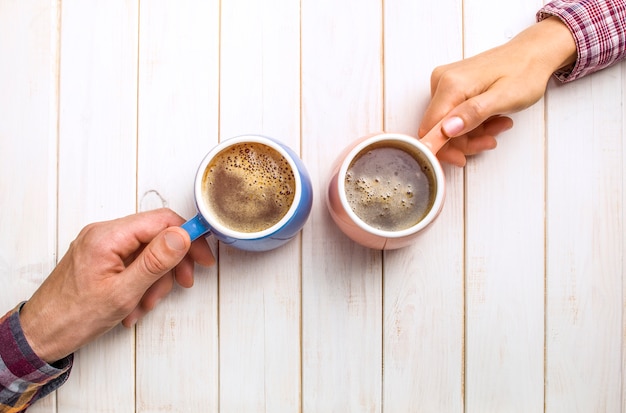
[{"x": 435, "y": 138}]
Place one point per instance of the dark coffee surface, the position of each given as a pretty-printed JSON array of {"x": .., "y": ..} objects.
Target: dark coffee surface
[
  {"x": 249, "y": 187},
  {"x": 389, "y": 189}
]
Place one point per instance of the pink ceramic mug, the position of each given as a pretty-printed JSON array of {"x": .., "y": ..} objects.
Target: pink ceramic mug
[{"x": 386, "y": 188}]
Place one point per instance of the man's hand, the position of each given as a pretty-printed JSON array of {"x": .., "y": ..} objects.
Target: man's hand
[{"x": 113, "y": 272}]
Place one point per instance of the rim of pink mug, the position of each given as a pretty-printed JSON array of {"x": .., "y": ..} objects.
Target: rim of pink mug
[{"x": 419, "y": 146}]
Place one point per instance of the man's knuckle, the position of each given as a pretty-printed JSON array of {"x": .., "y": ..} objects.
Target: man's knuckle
[
  {"x": 123, "y": 303},
  {"x": 153, "y": 263}
]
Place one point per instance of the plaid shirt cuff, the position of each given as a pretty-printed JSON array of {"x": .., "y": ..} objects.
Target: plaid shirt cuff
[
  {"x": 24, "y": 377},
  {"x": 599, "y": 31}
]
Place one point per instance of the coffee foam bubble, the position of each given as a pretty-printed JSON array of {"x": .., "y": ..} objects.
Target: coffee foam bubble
[
  {"x": 249, "y": 187},
  {"x": 388, "y": 188}
]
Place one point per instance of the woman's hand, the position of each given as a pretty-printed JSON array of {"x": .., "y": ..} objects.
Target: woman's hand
[{"x": 472, "y": 95}]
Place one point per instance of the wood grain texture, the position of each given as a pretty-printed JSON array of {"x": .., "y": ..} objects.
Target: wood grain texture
[
  {"x": 585, "y": 245},
  {"x": 341, "y": 281},
  {"x": 505, "y": 243},
  {"x": 177, "y": 344},
  {"x": 97, "y": 164},
  {"x": 260, "y": 292},
  {"x": 423, "y": 324},
  {"x": 623, "y": 252},
  {"x": 29, "y": 70}
]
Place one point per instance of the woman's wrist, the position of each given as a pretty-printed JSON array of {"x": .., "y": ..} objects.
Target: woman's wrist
[{"x": 551, "y": 43}]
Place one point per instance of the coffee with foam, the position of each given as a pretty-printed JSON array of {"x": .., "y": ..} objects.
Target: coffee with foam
[
  {"x": 248, "y": 187},
  {"x": 390, "y": 188}
]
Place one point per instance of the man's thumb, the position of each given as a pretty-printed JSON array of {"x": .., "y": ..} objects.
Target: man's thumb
[{"x": 162, "y": 254}]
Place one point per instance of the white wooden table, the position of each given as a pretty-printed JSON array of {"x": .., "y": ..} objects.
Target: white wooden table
[{"x": 513, "y": 302}]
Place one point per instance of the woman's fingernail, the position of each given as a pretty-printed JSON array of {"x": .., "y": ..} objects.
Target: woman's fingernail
[
  {"x": 175, "y": 241},
  {"x": 452, "y": 126}
]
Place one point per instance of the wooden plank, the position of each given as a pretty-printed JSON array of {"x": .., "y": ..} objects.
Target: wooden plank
[
  {"x": 585, "y": 213},
  {"x": 341, "y": 281},
  {"x": 505, "y": 242},
  {"x": 97, "y": 172},
  {"x": 260, "y": 292},
  {"x": 177, "y": 348},
  {"x": 29, "y": 46},
  {"x": 623, "y": 275},
  {"x": 423, "y": 299}
]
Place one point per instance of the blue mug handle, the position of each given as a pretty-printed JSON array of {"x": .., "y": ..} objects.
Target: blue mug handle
[{"x": 196, "y": 227}]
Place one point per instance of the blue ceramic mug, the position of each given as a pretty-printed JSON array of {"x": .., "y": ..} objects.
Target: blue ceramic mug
[{"x": 252, "y": 192}]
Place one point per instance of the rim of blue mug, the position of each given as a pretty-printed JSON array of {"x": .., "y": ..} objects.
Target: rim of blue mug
[
  {"x": 409, "y": 141},
  {"x": 214, "y": 224}
]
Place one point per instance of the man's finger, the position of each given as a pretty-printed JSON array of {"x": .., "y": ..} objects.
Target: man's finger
[{"x": 162, "y": 254}]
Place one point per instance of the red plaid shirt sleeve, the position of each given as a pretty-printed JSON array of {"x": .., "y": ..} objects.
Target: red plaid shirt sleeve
[
  {"x": 24, "y": 377},
  {"x": 599, "y": 29}
]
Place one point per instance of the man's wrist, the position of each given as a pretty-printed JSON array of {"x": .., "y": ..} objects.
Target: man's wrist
[{"x": 35, "y": 330}]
